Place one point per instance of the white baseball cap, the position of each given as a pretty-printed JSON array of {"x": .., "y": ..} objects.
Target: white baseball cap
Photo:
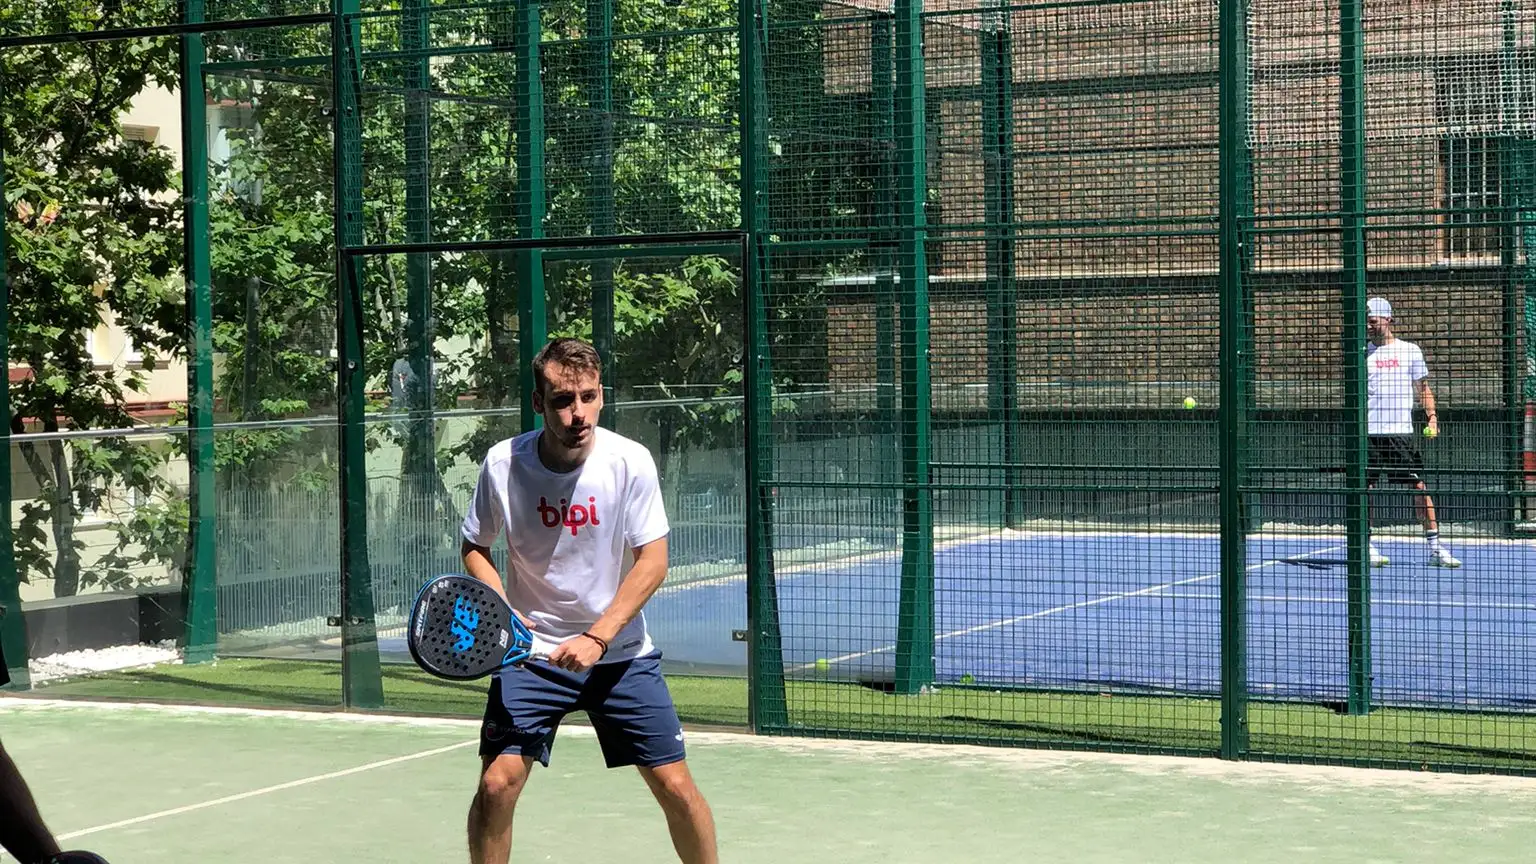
[{"x": 1378, "y": 307}]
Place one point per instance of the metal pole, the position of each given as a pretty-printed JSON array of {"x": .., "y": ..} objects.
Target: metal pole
[
  {"x": 362, "y": 681},
  {"x": 1514, "y": 161},
  {"x": 915, "y": 621},
  {"x": 420, "y": 458},
  {"x": 533, "y": 326},
  {"x": 1236, "y": 360},
  {"x": 882, "y": 93},
  {"x": 1002, "y": 289},
  {"x": 767, "y": 701},
  {"x": 600, "y": 197},
  {"x": 13, "y": 626},
  {"x": 1353, "y": 295},
  {"x": 199, "y": 587}
]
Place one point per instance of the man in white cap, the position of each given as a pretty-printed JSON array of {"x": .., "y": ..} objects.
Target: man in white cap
[{"x": 1395, "y": 371}]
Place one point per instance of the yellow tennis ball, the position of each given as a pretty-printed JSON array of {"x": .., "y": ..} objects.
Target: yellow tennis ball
[
  {"x": 1429, "y": 432},
  {"x": 1189, "y": 402},
  {"x": 822, "y": 664}
]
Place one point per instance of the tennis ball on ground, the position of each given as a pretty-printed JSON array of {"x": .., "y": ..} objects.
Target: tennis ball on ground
[
  {"x": 1189, "y": 402},
  {"x": 822, "y": 665}
]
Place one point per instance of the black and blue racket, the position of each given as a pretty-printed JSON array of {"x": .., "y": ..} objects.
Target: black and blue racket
[
  {"x": 1312, "y": 563},
  {"x": 461, "y": 629}
]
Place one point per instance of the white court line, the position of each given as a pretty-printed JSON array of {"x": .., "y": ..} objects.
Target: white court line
[
  {"x": 1289, "y": 598},
  {"x": 292, "y": 784},
  {"x": 1083, "y": 604},
  {"x": 820, "y": 567},
  {"x": 798, "y": 746}
]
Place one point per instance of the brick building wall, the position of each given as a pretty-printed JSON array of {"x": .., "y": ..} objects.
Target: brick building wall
[{"x": 1115, "y": 161}]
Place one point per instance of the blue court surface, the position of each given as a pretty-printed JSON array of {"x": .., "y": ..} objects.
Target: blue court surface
[{"x": 1139, "y": 612}]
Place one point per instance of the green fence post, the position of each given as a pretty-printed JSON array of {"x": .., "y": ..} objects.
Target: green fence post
[
  {"x": 1525, "y": 237},
  {"x": 1513, "y": 156},
  {"x": 1236, "y": 361},
  {"x": 1002, "y": 288},
  {"x": 600, "y": 194},
  {"x": 882, "y": 94},
  {"x": 914, "y": 627},
  {"x": 1353, "y": 295},
  {"x": 13, "y": 625},
  {"x": 1519, "y": 165},
  {"x": 199, "y": 586},
  {"x": 362, "y": 681},
  {"x": 767, "y": 700},
  {"x": 532, "y": 321},
  {"x": 420, "y": 456}
]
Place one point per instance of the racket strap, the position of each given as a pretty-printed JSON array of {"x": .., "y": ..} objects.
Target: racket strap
[{"x": 588, "y": 634}]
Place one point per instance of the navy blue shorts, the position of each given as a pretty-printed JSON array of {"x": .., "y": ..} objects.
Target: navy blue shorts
[
  {"x": 1397, "y": 456},
  {"x": 628, "y": 703}
]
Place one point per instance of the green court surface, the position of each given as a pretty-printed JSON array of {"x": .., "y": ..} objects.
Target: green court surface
[{"x": 142, "y": 783}]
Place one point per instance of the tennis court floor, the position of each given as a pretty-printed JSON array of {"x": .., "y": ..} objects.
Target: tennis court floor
[
  {"x": 1040, "y": 610},
  {"x": 164, "y": 785}
]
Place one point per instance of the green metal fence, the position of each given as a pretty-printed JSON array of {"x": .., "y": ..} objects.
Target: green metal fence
[
  {"x": 1006, "y": 364},
  {"x": 1090, "y": 280}
]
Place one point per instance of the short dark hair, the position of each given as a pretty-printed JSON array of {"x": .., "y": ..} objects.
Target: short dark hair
[{"x": 568, "y": 352}]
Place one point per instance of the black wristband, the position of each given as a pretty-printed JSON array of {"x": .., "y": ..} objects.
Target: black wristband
[{"x": 588, "y": 634}]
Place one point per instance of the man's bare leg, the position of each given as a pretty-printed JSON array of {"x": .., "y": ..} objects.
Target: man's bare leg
[
  {"x": 1427, "y": 509},
  {"x": 689, "y": 819},
  {"x": 22, "y": 831},
  {"x": 490, "y": 815}
]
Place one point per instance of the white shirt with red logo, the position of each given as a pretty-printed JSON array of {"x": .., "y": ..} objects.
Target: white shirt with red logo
[
  {"x": 1391, "y": 373},
  {"x": 569, "y": 535}
]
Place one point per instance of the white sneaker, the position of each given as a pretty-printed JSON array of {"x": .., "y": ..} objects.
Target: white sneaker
[
  {"x": 1378, "y": 559},
  {"x": 1441, "y": 557}
]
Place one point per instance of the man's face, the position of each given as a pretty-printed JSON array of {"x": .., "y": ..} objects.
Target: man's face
[
  {"x": 1377, "y": 327},
  {"x": 570, "y": 403}
]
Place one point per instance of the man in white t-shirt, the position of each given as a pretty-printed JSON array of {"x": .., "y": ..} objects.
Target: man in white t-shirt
[
  {"x": 575, "y": 503},
  {"x": 1395, "y": 373}
]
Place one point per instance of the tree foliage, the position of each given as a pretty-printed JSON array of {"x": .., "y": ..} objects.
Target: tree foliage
[
  {"x": 93, "y": 231},
  {"x": 675, "y": 168}
]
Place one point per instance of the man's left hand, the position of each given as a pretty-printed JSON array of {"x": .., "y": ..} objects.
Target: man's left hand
[{"x": 576, "y": 655}]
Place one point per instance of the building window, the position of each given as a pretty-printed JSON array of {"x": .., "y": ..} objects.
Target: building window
[
  {"x": 100, "y": 353},
  {"x": 142, "y": 134},
  {"x": 1472, "y": 172},
  {"x": 1480, "y": 101}
]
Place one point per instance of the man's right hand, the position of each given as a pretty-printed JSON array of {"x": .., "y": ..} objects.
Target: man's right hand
[{"x": 527, "y": 622}]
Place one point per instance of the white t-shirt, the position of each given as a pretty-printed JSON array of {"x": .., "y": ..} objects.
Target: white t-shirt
[
  {"x": 569, "y": 535},
  {"x": 1392, "y": 371}
]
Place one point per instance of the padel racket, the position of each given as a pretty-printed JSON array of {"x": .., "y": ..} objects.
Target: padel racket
[
  {"x": 461, "y": 629},
  {"x": 1315, "y": 563}
]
